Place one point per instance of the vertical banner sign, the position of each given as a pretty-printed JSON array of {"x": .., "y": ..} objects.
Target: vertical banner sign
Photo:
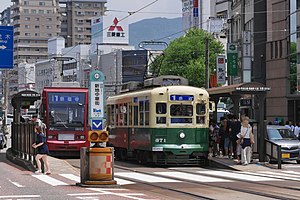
[
  {"x": 232, "y": 59},
  {"x": 96, "y": 100},
  {"x": 6, "y": 47},
  {"x": 221, "y": 77}
]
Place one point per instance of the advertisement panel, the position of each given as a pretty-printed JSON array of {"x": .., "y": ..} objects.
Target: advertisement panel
[{"x": 221, "y": 70}]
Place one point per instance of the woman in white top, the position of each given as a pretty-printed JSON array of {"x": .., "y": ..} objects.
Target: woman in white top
[{"x": 245, "y": 134}]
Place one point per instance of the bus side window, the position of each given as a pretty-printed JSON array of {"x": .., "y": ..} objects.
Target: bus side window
[
  {"x": 125, "y": 112},
  {"x": 112, "y": 115},
  {"x": 130, "y": 115}
]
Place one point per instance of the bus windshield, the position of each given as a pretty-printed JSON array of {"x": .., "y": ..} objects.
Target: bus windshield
[{"x": 66, "y": 111}]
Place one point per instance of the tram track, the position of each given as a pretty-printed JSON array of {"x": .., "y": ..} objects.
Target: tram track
[{"x": 274, "y": 195}]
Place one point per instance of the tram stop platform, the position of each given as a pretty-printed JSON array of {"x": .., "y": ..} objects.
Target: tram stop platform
[{"x": 255, "y": 165}]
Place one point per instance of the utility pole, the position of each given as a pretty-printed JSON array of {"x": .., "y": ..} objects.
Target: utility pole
[{"x": 206, "y": 63}]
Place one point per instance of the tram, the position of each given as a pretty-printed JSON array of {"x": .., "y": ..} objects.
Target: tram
[{"x": 164, "y": 125}]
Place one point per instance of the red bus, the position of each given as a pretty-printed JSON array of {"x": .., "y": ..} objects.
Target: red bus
[{"x": 64, "y": 110}]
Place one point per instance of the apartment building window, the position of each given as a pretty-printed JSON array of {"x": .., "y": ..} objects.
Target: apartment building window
[
  {"x": 33, "y": 11},
  {"x": 95, "y": 13},
  {"x": 41, "y": 3},
  {"x": 26, "y": 11},
  {"x": 280, "y": 48},
  {"x": 49, "y": 34},
  {"x": 49, "y": 11},
  {"x": 37, "y": 26},
  {"x": 26, "y": 3},
  {"x": 49, "y": 27},
  {"x": 49, "y": 19},
  {"x": 36, "y": 34},
  {"x": 41, "y": 12},
  {"x": 271, "y": 50},
  {"x": 96, "y": 5},
  {"x": 276, "y": 49},
  {"x": 27, "y": 26},
  {"x": 37, "y": 19},
  {"x": 27, "y": 34},
  {"x": 27, "y": 18}
]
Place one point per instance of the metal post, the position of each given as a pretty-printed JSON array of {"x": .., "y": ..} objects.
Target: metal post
[
  {"x": 279, "y": 155},
  {"x": 207, "y": 63}
]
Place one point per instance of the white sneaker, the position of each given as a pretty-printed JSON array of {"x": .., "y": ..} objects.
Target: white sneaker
[{"x": 38, "y": 172}]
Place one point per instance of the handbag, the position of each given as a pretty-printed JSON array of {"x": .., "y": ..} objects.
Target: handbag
[{"x": 240, "y": 141}]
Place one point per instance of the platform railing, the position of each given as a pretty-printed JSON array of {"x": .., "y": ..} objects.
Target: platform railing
[
  {"x": 22, "y": 137},
  {"x": 273, "y": 150}
]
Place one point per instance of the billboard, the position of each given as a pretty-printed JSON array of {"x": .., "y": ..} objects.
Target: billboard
[
  {"x": 109, "y": 29},
  {"x": 221, "y": 70}
]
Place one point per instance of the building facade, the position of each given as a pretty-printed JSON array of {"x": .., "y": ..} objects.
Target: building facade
[{"x": 76, "y": 18}]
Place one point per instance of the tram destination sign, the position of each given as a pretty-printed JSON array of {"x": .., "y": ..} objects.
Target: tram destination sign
[{"x": 181, "y": 98}]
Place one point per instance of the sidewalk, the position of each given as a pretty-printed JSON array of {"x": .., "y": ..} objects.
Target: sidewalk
[{"x": 57, "y": 166}]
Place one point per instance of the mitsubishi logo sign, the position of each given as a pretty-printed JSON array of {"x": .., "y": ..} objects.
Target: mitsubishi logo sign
[{"x": 115, "y": 30}]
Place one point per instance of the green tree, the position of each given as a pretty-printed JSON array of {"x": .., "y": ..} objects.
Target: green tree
[{"x": 185, "y": 57}]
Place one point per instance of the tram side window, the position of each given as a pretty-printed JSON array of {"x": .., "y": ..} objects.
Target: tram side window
[
  {"x": 142, "y": 110},
  {"x": 147, "y": 112},
  {"x": 117, "y": 115},
  {"x": 135, "y": 115},
  {"x": 200, "y": 110},
  {"x": 125, "y": 111},
  {"x": 161, "y": 109},
  {"x": 112, "y": 115},
  {"x": 130, "y": 115}
]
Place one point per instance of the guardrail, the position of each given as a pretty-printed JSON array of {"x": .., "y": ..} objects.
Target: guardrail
[
  {"x": 273, "y": 150},
  {"x": 22, "y": 137}
]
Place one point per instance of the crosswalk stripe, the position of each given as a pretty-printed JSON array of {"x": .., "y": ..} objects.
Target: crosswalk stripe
[
  {"x": 292, "y": 172},
  {"x": 123, "y": 182},
  {"x": 192, "y": 177},
  {"x": 71, "y": 177},
  {"x": 272, "y": 175},
  {"x": 49, "y": 180},
  {"x": 285, "y": 175},
  {"x": 145, "y": 177},
  {"x": 19, "y": 196},
  {"x": 235, "y": 175}
]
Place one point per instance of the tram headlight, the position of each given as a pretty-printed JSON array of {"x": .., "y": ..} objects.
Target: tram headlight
[{"x": 182, "y": 135}]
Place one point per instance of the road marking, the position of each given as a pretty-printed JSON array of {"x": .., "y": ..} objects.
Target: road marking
[
  {"x": 49, "y": 180},
  {"x": 16, "y": 184},
  {"x": 71, "y": 177},
  {"x": 191, "y": 177},
  {"x": 272, "y": 175},
  {"x": 234, "y": 175},
  {"x": 20, "y": 196},
  {"x": 145, "y": 177},
  {"x": 123, "y": 182},
  {"x": 294, "y": 177}
]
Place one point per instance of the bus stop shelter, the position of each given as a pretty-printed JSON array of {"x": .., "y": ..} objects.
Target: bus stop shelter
[{"x": 236, "y": 92}]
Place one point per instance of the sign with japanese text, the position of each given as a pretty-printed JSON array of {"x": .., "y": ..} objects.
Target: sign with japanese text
[
  {"x": 221, "y": 71},
  {"x": 96, "y": 99},
  {"x": 232, "y": 60},
  {"x": 6, "y": 47}
]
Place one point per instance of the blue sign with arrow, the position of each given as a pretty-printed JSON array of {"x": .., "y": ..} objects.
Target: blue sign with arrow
[
  {"x": 6, "y": 47},
  {"x": 96, "y": 125}
]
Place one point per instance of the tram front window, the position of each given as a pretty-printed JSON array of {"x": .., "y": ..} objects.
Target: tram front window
[{"x": 181, "y": 113}]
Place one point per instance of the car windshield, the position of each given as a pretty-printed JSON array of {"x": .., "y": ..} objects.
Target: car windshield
[{"x": 280, "y": 134}]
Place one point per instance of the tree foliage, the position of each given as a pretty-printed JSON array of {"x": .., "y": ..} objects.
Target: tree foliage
[{"x": 185, "y": 57}]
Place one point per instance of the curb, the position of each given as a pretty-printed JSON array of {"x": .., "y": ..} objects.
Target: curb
[
  {"x": 18, "y": 161},
  {"x": 221, "y": 165}
]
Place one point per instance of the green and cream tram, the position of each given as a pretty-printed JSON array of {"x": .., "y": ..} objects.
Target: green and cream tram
[{"x": 164, "y": 125}]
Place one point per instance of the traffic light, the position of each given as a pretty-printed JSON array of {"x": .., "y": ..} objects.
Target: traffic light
[{"x": 98, "y": 136}]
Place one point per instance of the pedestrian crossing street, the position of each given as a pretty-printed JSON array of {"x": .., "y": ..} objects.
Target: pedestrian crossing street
[{"x": 206, "y": 176}]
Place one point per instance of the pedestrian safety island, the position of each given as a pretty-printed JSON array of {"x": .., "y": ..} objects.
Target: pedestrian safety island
[{"x": 97, "y": 162}]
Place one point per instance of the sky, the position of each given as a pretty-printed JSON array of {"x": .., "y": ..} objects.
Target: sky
[{"x": 161, "y": 8}]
